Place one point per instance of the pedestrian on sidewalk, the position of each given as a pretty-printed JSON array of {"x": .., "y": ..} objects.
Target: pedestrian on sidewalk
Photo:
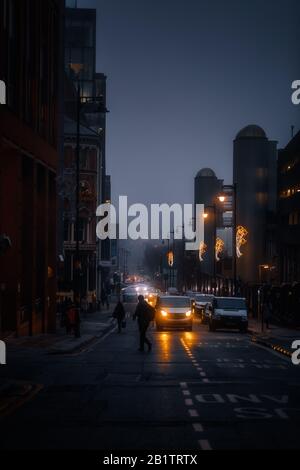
[
  {"x": 73, "y": 317},
  {"x": 84, "y": 306},
  {"x": 119, "y": 315},
  {"x": 144, "y": 314},
  {"x": 267, "y": 312},
  {"x": 104, "y": 299}
]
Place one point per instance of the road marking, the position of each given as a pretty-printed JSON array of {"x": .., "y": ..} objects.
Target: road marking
[
  {"x": 203, "y": 374},
  {"x": 206, "y": 381},
  {"x": 189, "y": 402},
  {"x": 193, "y": 414},
  {"x": 183, "y": 384},
  {"x": 204, "y": 444},
  {"x": 271, "y": 351},
  {"x": 186, "y": 393},
  {"x": 198, "y": 427}
]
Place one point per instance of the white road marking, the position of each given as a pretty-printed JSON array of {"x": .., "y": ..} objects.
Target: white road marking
[
  {"x": 204, "y": 444},
  {"x": 183, "y": 384},
  {"x": 193, "y": 414},
  {"x": 186, "y": 393},
  {"x": 189, "y": 402},
  {"x": 198, "y": 427}
]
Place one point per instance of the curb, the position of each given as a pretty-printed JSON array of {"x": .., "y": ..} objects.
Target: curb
[
  {"x": 17, "y": 401},
  {"x": 274, "y": 347}
]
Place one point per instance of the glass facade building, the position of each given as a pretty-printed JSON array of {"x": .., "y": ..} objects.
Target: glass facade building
[{"x": 80, "y": 48}]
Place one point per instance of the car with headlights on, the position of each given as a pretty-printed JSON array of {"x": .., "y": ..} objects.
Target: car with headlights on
[
  {"x": 229, "y": 312},
  {"x": 174, "y": 312}
]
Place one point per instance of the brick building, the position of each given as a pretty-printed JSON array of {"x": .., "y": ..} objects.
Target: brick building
[
  {"x": 31, "y": 61},
  {"x": 90, "y": 183}
]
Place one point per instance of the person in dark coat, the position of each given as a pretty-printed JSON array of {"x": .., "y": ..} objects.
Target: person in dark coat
[
  {"x": 73, "y": 316},
  {"x": 104, "y": 299},
  {"x": 143, "y": 316},
  {"x": 267, "y": 312},
  {"x": 119, "y": 315}
]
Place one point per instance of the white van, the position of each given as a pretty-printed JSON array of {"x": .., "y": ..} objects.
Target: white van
[{"x": 228, "y": 312}]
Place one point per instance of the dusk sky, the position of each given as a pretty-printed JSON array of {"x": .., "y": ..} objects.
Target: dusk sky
[{"x": 184, "y": 76}]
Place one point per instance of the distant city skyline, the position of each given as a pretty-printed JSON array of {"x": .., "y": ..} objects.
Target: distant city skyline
[{"x": 184, "y": 78}]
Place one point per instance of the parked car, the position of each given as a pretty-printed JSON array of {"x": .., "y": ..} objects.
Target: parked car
[
  {"x": 173, "y": 312},
  {"x": 228, "y": 312},
  {"x": 202, "y": 304}
]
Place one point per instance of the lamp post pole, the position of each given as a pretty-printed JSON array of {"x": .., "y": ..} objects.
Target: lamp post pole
[
  {"x": 214, "y": 208},
  {"x": 233, "y": 188},
  {"x": 234, "y": 236},
  {"x": 77, "y": 250}
]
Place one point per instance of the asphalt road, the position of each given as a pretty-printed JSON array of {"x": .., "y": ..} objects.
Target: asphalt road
[{"x": 196, "y": 390}]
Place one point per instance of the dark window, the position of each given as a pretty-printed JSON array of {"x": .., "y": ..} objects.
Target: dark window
[
  {"x": 67, "y": 231},
  {"x": 82, "y": 230},
  {"x": 84, "y": 159}
]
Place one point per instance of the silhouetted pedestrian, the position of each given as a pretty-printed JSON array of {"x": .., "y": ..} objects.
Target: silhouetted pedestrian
[
  {"x": 104, "y": 299},
  {"x": 267, "y": 312},
  {"x": 84, "y": 306},
  {"x": 73, "y": 319},
  {"x": 119, "y": 315},
  {"x": 144, "y": 314}
]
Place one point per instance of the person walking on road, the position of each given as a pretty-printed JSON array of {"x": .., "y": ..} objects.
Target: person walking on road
[
  {"x": 119, "y": 315},
  {"x": 144, "y": 314}
]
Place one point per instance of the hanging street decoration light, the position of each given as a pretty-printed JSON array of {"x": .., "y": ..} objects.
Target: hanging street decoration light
[
  {"x": 171, "y": 259},
  {"x": 219, "y": 248},
  {"x": 241, "y": 239},
  {"x": 202, "y": 251}
]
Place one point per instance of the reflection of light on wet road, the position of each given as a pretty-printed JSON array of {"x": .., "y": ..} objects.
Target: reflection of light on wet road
[
  {"x": 165, "y": 340},
  {"x": 189, "y": 337}
]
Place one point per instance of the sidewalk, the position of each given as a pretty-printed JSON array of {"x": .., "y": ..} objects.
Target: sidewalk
[
  {"x": 277, "y": 338},
  {"x": 93, "y": 326}
]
